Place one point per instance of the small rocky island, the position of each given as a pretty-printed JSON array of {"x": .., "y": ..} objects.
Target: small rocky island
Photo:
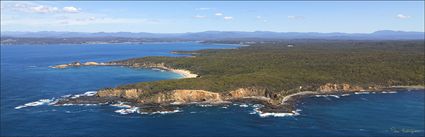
[{"x": 271, "y": 74}]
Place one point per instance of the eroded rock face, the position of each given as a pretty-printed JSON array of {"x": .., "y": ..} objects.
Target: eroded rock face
[
  {"x": 333, "y": 87},
  {"x": 195, "y": 96},
  {"x": 182, "y": 96},
  {"x": 247, "y": 92},
  {"x": 125, "y": 93}
]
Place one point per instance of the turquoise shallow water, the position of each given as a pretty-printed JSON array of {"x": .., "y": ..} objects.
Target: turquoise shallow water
[{"x": 25, "y": 77}]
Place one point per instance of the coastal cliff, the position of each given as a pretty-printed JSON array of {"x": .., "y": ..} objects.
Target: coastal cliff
[
  {"x": 273, "y": 74},
  {"x": 273, "y": 102}
]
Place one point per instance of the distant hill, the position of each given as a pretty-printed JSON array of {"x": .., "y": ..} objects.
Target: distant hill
[{"x": 223, "y": 35}]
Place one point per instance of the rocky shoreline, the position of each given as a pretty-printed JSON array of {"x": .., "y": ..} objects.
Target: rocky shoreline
[
  {"x": 168, "y": 101},
  {"x": 173, "y": 100},
  {"x": 184, "y": 73}
]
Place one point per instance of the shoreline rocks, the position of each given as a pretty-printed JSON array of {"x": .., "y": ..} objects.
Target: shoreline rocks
[
  {"x": 184, "y": 73},
  {"x": 273, "y": 102},
  {"x": 78, "y": 64},
  {"x": 177, "y": 98}
]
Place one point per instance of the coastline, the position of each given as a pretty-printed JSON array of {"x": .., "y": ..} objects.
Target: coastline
[
  {"x": 184, "y": 73},
  {"x": 291, "y": 100},
  {"x": 282, "y": 106}
]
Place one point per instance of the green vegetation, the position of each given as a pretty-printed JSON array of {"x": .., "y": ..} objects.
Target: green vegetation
[{"x": 309, "y": 63}]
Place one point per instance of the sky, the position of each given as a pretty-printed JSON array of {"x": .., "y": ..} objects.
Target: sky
[{"x": 191, "y": 16}]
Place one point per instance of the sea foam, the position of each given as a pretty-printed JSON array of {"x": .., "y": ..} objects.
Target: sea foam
[
  {"x": 125, "y": 111},
  {"x": 335, "y": 96},
  {"x": 361, "y": 92},
  {"x": 37, "y": 103},
  {"x": 272, "y": 114},
  {"x": 53, "y": 101}
]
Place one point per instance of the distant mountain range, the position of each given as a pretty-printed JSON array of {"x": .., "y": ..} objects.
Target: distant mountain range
[{"x": 224, "y": 35}]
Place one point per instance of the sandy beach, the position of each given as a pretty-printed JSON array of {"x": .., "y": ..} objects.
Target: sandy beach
[{"x": 184, "y": 73}]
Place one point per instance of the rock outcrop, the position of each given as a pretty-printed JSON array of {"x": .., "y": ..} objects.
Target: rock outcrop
[
  {"x": 123, "y": 93},
  {"x": 333, "y": 87},
  {"x": 195, "y": 96},
  {"x": 246, "y": 92},
  {"x": 78, "y": 64}
]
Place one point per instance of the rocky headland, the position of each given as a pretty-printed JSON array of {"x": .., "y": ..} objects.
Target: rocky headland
[
  {"x": 270, "y": 74},
  {"x": 184, "y": 73},
  {"x": 148, "y": 102}
]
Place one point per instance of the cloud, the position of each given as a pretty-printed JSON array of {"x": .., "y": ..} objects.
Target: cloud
[
  {"x": 43, "y": 9},
  {"x": 30, "y": 7},
  {"x": 295, "y": 17},
  {"x": 72, "y": 21},
  {"x": 228, "y": 17},
  {"x": 218, "y": 14},
  {"x": 70, "y": 9},
  {"x": 199, "y": 16},
  {"x": 203, "y": 8},
  {"x": 402, "y": 16},
  {"x": 260, "y": 18}
]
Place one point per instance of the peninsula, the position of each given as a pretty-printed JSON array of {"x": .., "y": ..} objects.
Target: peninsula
[{"x": 270, "y": 73}]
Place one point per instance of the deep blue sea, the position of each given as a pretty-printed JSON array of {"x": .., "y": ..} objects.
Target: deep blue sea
[{"x": 26, "y": 77}]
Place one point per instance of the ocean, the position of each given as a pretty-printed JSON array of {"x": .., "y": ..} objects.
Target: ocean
[{"x": 26, "y": 77}]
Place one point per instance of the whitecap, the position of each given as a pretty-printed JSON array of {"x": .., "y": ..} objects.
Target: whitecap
[
  {"x": 205, "y": 105},
  {"x": 176, "y": 103},
  {"x": 272, "y": 114},
  {"x": 69, "y": 104},
  {"x": 257, "y": 105},
  {"x": 389, "y": 92},
  {"x": 243, "y": 105},
  {"x": 275, "y": 114},
  {"x": 88, "y": 93},
  {"x": 121, "y": 105},
  {"x": 127, "y": 110},
  {"x": 160, "y": 112},
  {"x": 345, "y": 95},
  {"x": 166, "y": 112},
  {"x": 37, "y": 103},
  {"x": 335, "y": 96},
  {"x": 225, "y": 107},
  {"x": 361, "y": 92},
  {"x": 53, "y": 101}
]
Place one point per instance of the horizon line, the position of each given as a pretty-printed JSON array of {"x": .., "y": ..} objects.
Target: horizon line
[{"x": 212, "y": 31}]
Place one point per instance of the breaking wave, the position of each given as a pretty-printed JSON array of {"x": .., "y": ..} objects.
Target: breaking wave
[
  {"x": 272, "y": 114},
  {"x": 243, "y": 105},
  {"x": 38, "y": 103},
  {"x": 361, "y": 92},
  {"x": 88, "y": 93},
  {"x": 389, "y": 92},
  {"x": 125, "y": 111},
  {"x": 335, "y": 96},
  {"x": 131, "y": 110},
  {"x": 53, "y": 101}
]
